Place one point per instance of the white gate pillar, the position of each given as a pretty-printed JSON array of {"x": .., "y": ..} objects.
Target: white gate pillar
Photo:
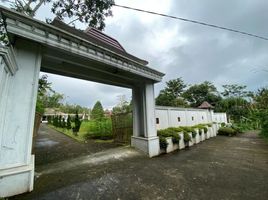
[
  {"x": 17, "y": 107},
  {"x": 144, "y": 125}
]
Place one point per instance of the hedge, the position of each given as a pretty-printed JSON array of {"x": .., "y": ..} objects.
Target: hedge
[{"x": 227, "y": 131}]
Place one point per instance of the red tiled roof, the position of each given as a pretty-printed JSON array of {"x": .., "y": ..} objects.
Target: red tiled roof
[{"x": 205, "y": 105}]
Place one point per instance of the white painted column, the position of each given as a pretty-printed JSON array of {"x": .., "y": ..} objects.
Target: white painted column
[
  {"x": 16, "y": 161},
  {"x": 144, "y": 124}
]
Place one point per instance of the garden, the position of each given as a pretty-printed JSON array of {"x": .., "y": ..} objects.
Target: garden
[{"x": 82, "y": 130}]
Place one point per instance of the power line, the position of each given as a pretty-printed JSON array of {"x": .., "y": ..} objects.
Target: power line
[{"x": 192, "y": 21}]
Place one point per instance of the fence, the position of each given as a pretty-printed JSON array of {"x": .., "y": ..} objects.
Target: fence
[
  {"x": 122, "y": 127},
  {"x": 174, "y": 117}
]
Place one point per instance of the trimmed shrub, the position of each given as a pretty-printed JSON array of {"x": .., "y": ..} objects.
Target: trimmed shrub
[
  {"x": 77, "y": 124},
  {"x": 202, "y": 126},
  {"x": 163, "y": 142},
  {"x": 169, "y": 132},
  {"x": 187, "y": 129},
  {"x": 227, "y": 131},
  {"x": 68, "y": 124},
  {"x": 194, "y": 133},
  {"x": 200, "y": 131},
  {"x": 186, "y": 137},
  {"x": 176, "y": 129}
]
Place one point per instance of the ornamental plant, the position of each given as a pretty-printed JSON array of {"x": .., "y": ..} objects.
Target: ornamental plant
[
  {"x": 68, "y": 124},
  {"x": 77, "y": 124},
  {"x": 194, "y": 133},
  {"x": 163, "y": 142},
  {"x": 169, "y": 132},
  {"x": 227, "y": 131},
  {"x": 186, "y": 137}
]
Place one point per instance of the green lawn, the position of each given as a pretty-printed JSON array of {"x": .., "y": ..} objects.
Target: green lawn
[{"x": 88, "y": 128}]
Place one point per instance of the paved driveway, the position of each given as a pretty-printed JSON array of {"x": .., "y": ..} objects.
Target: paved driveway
[
  {"x": 219, "y": 168},
  {"x": 52, "y": 146}
]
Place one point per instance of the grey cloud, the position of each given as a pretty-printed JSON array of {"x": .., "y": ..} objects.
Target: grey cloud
[{"x": 209, "y": 54}]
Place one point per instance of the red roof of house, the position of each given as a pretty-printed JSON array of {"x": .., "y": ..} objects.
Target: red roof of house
[{"x": 205, "y": 105}]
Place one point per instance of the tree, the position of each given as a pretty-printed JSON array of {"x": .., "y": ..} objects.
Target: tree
[
  {"x": 77, "y": 124},
  {"x": 170, "y": 95},
  {"x": 68, "y": 124},
  {"x": 198, "y": 93},
  {"x": 92, "y": 12},
  {"x": 235, "y": 107},
  {"x": 260, "y": 109},
  {"x": 175, "y": 87},
  {"x": 53, "y": 100},
  {"x": 97, "y": 112},
  {"x": 123, "y": 106},
  {"x": 72, "y": 108},
  {"x": 235, "y": 90},
  {"x": 43, "y": 88}
]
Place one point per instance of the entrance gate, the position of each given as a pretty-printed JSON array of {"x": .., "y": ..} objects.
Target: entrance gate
[{"x": 30, "y": 46}]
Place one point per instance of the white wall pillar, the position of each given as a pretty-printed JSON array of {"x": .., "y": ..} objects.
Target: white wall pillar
[
  {"x": 16, "y": 161},
  {"x": 144, "y": 124}
]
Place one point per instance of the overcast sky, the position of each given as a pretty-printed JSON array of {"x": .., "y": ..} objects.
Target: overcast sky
[{"x": 179, "y": 49}]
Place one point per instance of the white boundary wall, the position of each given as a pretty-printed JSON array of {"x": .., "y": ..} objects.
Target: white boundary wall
[{"x": 174, "y": 116}]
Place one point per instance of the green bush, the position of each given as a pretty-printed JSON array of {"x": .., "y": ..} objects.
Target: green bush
[
  {"x": 223, "y": 124},
  {"x": 169, "y": 132},
  {"x": 100, "y": 136},
  {"x": 227, "y": 131},
  {"x": 68, "y": 124},
  {"x": 237, "y": 129},
  {"x": 186, "y": 137},
  {"x": 202, "y": 126},
  {"x": 200, "y": 131},
  {"x": 77, "y": 124},
  {"x": 187, "y": 129},
  {"x": 176, "y": 129},
  {"x": 194, "y": 133},
  {"x": 163, "y": 142},
  {"x": 264, "y": 124}
]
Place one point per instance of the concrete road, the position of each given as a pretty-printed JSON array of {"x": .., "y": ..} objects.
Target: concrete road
[
  {"x": 218, "y": 168},
  {"x": 52, "y": 146}
]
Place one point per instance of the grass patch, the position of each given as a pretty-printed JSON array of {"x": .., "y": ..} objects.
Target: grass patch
[
  {"x": 96, "y": 130},
  {"x": 69, "y": 133}
]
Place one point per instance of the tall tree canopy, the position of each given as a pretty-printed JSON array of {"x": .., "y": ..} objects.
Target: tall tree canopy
[
  {"x": 170, "y": 95},
  {"x": 123, "y": 106},
  {"x": 91, "y": 12},
  {"x": 198, "y": 93},
  {"x": 97, "y": 112},
  {"x": 235, "y": 90}
]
